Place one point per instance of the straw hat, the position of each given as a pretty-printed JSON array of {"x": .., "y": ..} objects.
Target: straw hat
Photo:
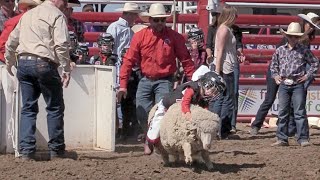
[
  {"x": 26, "y": 3},
  {"x": 130, "y": 7},
  {"x": 138, "y": 27},
  {"x": 294, "y": 29},
  {"x": 74, "y": 3},
  {"x": 309, "y": 18},
  {"x": 156, "y": 10}
]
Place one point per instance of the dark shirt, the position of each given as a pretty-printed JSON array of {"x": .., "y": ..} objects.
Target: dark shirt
[
  {"x": 212, "y": 34},
  {"x": 177, "y": 94}
]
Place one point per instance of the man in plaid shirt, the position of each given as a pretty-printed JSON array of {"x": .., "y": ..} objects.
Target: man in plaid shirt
[{"x": 288, "y": 68}]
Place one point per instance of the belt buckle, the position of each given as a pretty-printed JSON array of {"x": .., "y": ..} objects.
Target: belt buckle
[{"x": 288, "y": 82}]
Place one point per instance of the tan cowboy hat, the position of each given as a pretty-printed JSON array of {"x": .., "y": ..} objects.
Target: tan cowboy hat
[
  {"x": 294, "y": 29},
  {"x": 309, "y": 18},
  {"x": 138, "y": 27},
  {"x": 156, "y": 10},
  {"x": 26, "y": 3},
  {"x": 130, "y": 7}
]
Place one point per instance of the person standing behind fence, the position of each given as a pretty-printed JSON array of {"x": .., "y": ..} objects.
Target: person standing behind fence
[
  {"x": 288, "y": 68},
  {"x": 41, "y": 41},
  {"x": 310, "y": 24},
  {"x": 73, "y": 24},
  {"x": 225, "y": 58},
  {"x": 122, "y": 34},
  {"x": 155, "y": 50},
  {"x": 210, "y": 46}
]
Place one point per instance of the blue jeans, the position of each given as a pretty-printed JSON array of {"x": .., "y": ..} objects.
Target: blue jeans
[
  {"x": 224, "y": 105},
  {"x": 272, "y": 89},
  {"x": 236, "y": 74},
  {"x": 296, "y": 95},
  {"x": 36, "y": 77},
  {"x": 150, "y": 92}
]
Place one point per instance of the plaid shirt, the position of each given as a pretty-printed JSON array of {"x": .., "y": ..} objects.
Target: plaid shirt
[
  {"x": 77, "y": 27},
  {"x": 3, "y": 19},
  {"x": 292, "y": 63}
]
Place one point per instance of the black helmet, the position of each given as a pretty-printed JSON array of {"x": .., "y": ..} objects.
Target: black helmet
[
  {"x": 82, "y": 49},
  {"x": 197, "y": 35},
  {"x": 213, "y": 83},
  {"x": 105, "y": 38},
  {"x": 73, "y": 39}
]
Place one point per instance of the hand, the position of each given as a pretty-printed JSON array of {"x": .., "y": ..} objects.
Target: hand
[
  {"x": 65, "y": 79},
  {"x": 72, "y": 65},
  {"x": 122, "y": 93},
  {"x": 217, "y": 71},
  {"x": 209, "y": 59},
  {"x": 188, "y": 116},
  {"x": 278, "y": 79},
  {"x": 9, "y": 69},
  {"x": 241, "y": 58},
  {"x": 302, "y": 79}
]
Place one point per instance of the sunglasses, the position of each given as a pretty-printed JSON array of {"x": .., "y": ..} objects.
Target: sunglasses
[
  {"x": 156, "y": 20},
  {"x": 7, "y": 1}
]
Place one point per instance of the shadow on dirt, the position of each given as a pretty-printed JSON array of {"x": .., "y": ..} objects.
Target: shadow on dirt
[
  {"x": 218, "y": 167},
  {"x": 260, "y": 137},
  {"x": 45, "y": 156},
  {"x": 128, "y": 155},
  {"x": 234, "y": 168},
  {"x": 127, "y": 149}
]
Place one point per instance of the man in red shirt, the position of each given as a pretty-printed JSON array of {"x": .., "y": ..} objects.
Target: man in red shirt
[
  {"x": 9, "y": 25},
  {"x": 155, "y": 49}
]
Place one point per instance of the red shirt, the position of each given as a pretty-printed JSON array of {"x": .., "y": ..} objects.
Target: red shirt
[
  {"x": 186, "y": 100},
  {"x": 9, "y": 25},
  {"x": 156, "y": 52}
]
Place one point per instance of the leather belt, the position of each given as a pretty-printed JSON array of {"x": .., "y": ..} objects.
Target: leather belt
[
  {"x": 33, "y": 58},
  {"x": 289, "y": 82},
  {"x": 159, "y": 78}
]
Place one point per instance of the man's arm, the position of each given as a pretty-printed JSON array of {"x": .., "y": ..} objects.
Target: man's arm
[
  {"x": 129, "y": 60},
  {"x": 221, "y": 37},
  {"x": 184, "y": 56},
  {"x": 274, "y": 66},
  {"x": 61, "y": 43},
  {"x": 11, "y": 46},
  {"x": 113, "y": 31}
]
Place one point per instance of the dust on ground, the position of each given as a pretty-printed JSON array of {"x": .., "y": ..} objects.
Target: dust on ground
[{"x": 244, "y": 157}]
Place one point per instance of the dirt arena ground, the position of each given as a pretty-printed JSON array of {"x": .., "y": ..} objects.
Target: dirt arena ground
[{"x": 240, "y": 158}]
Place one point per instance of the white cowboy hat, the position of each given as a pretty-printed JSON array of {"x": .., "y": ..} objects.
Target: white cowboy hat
[
  {"x": 309, "y": 18},
  {"x": 156, "y": 10},
  {"x": 138, "y": 27},
  {"x": 294, "y": 29},
  {"x": 26, "y": 3},
  {"x": 130, "y": 7}
]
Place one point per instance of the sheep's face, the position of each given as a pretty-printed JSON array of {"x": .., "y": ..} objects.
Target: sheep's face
[
  {"x": 206, "y": 139},
  {"x": 207, "y": 130}
]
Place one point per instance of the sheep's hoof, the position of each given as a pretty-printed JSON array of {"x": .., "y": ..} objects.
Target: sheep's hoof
[
  {"x": 167, "y": 164},
  {"x": 188, "y": 160},
  {"x": 210, "y": 166}
]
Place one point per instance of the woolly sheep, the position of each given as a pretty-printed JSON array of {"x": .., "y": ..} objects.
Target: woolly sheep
[{"x": 188, "y": 139}]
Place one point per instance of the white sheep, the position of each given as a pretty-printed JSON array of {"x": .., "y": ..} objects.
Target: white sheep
[{"x": 188, "y": 139}]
